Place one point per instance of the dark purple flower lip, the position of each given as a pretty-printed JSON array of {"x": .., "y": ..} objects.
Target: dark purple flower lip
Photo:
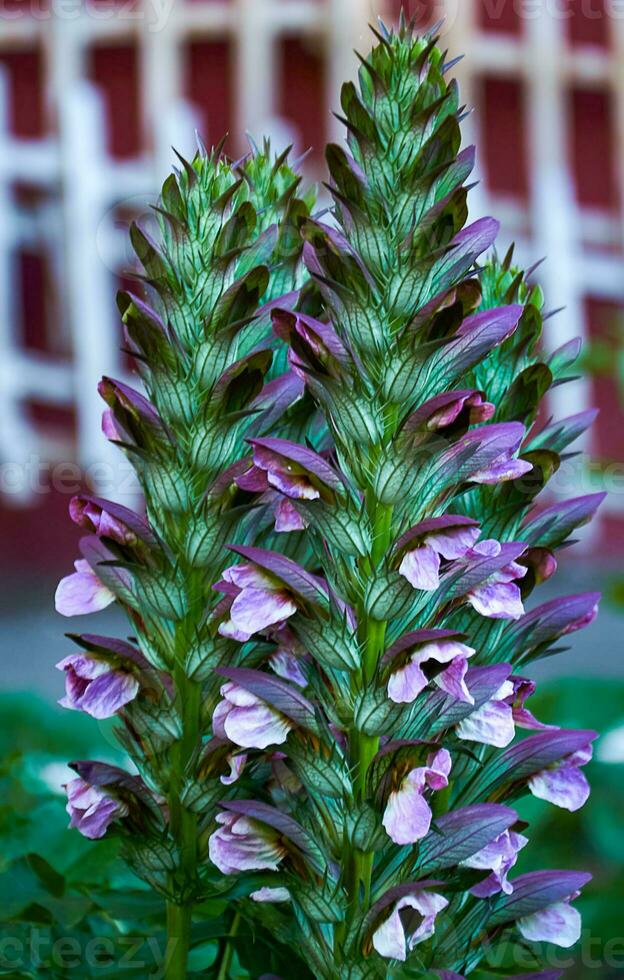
[
  {"x": 108, "y": 645},
  {"x": 304, "y": 459},
  {"x": 114, "y": 392},
  {"x": 318, "y": 340},
  {"x": 109, "y": 519},
  {"x": 448, "y": 407}
]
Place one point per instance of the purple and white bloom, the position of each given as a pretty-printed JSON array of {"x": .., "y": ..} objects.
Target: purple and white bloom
[
  {"x": 564, "y": 785},
  {"x": 505, "y": 466},
  {"x": 243, "y": 844},
  {"x": 295, "y": 471},
  {"x": 499, "y": 857},
  {"x": 498, "y": 597},
  {"x": 110, "y": 428},
  {"x": 585, "y": 620},
  {"x": 268, "y": 894},
  {"x": 406, "y": 683},
  {"x": 93, "y": 515},
  {"x": 318, "y": 345},
  {"x": 286, "y": 665},
  {"x": 92, "y": 809},
  {"x": 247, "y": 720},
  {"x": 449, "y": 537},
  {"x": 443, "y": 410},
  {"x": 523, "y": 718},
  {"x": 260, "y": 600},
  {"x": 493, "y": 722},
  {"x": 288, "y": 518},
  {"x": 82, "y": 592},
  {"x": 237, "y": 763},
  {"x": 407, "y": 816},
  {"x": 393, "y": 939},
  {"x": 559, "y": 923},
  {"x": 94, "y": 686}
]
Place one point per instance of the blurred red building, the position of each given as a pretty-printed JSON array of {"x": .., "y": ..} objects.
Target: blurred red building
[{"x": 93, "y": 94}]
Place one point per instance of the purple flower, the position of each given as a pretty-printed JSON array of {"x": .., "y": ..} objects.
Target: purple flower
[
  {"x": 288, "y": 518},
  {"x": 286, "y": 665},
  {"x": 407, "y": 816},
  {"x": 558, "y": 923},
  {"x": 423, "y": 546},
  {"x": 564, "y": 785},
  {"x": 236, "y": 763},
  {"x": 260, "y": 600},
  {"x": 312, "y": 344},
  {"x": 81, "y": 592},
  {"x": 92, "y": 809},
  {"x": 247, "y": 720},
  {"x": 394, "y": 939},
  {"x": 523, "y": 718},
  {"x": 406, "y": 683},
  {"x": 498, "y": 597},
  {"x": 445, "y": 409},
  {"x": 107, "y": 519},
  {"x": 268, "y": 894},
  {"x": 499, "y": 857},
  {"x": 294, "y": 470},
  {"x": 93, "y": 516},
  {"x": 493, "y": 722},
  {"x": 110, "y": 428},
  {"x": 504, "y": 466},
  {"x": 241, "y": 843},
  {"x": 94, "y": 686}
]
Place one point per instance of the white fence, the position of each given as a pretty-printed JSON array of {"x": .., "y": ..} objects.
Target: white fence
[{"x": 77, "y": 224}]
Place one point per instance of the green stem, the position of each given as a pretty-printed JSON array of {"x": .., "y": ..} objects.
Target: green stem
[
  {"x": 367, "y": 746},
  {"x": 183, "y": 822},
  {"x": 178, "y": 940},
  {"x": 228, "y": 949}
]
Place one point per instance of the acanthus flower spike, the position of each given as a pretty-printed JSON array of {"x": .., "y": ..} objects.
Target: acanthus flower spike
[
  {"x": 406, "y": 586},
  {"x": 361, "y": 681},
  {"x": 225, "y": 249}
]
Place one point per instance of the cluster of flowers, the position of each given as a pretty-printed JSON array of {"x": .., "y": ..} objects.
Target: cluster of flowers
[{"x": 324, "y": 715}]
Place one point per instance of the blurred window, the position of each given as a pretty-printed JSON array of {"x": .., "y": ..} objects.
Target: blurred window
[
  {"x": 302, "y": 98},
  {"x": 115, "y": 70},
  {"x": 588, "y": 23},
  {"x": 605, "y": 320},
  {"x": 504, "y": 150},
  {"x": 592, "y": 149},
  {"x": 209, "y": 87},
  {"x": 499, "y": 16},
  {"x": 24, "y": 71}
]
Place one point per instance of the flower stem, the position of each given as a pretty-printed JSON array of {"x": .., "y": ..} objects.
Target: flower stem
[
  {"x": 178, "y": 940},
  {"x": 367, "y": 746},
  {"x": 227, "y": 951},
  {"x": 183, "y": 821}
]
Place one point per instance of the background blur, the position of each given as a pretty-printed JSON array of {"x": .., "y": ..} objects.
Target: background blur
[{"x": 92, "y": 97}]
